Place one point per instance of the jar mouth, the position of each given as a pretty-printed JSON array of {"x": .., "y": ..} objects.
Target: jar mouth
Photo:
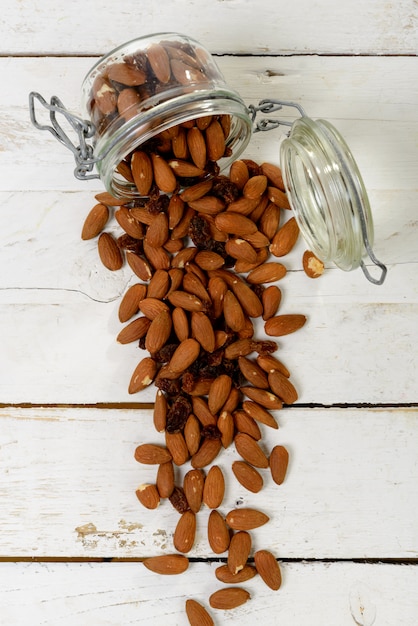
[{"x": 327, "y": 193}]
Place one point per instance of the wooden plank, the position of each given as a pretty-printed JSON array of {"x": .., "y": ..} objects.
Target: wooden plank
[
  {"x": 372, "y": 101},
  {"x": 357, "y": 27},
  {"x": 68, "y": 481},
  {"x": 126, "y": 593}
]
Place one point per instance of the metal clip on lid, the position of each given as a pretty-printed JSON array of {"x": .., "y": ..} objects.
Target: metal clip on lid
[
  {"x": 350, "y": 190},
  {"x": 83, "y": 153}
]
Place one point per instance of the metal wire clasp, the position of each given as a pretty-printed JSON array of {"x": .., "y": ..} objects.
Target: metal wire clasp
[
  {"x": 83, "y": 153},
  {"x": 270, "y": 106}
]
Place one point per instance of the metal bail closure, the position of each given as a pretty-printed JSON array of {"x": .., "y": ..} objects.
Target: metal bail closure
[
  {"x": 83, "y": 153},
  {"x": 339, "y": 199}
]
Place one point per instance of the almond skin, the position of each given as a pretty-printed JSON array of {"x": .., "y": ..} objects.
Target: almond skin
[
  {"x": 165, "y": 479},
  {"x": 229, "y": 598},
  {"x": 235, "y": 224},
  {"x": 95, "y": 222},
  {"x": 255, "y": 187},
  {"x": 148, "y": 496},
  {"x": 266, "y": 273},
  {"x": 134, "y": 330},
  {"x": 207, "y": 452},
  {"x": 274, "y": 175},
  {"x": 278, "y": 461},
  {"x": 219, "y": 392},
  {"x": 184, "y": 355},
  {"x": 197, "y": 147},
  {"x": 158, "y": 332},
  {"x": 247, "y": 476},
  {"x": 202, "y": 331},
  {"x": 192, "y": 434},
  {"x": 184, "y": 534},
  {"x": 177, "y": 447},
  {"x": 143, "y": 375},
  {"x": 239, "y": 550},
  {"x": 142, "y": 171},
  {"x": 268, "y": 568},
  {"x": 197, "y": 614},
  {"x": 109, "y": 253},
  {"x": 246, "y": 519},
  {"x": 238, "y": 173},
  {"x": 129, "y": 305},
  {"x": 285, "y": 238},
  {"x": 250, "y": 451},
  {"x": 214, "y": 488},
  {"x": 282, "y": 387},
  {"x": 271, "y": 298},
  {"x": 193, "y": 485},
  {"x": 223, "y": 574},
  {"x": 260, "y": 414},
  {"x": 215, "y": 141},
  {"x": 152, "y": 454},
  {"x": 163, "y": 174},
  {"x": 167, "y": 564},
  {"x": 266, "y": 398},
  {"x": 284, "y": 324},
  {"x": 218, "y": 533}
]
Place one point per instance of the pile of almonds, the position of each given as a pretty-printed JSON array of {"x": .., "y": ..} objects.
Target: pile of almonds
[{"x": 203, "y": 255}]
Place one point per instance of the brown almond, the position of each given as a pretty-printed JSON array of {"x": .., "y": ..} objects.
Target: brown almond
[
  {"x": 157, "y": 232},
  {"x": 268, "y": 568},
  {"x": 139, "y": 266},
  {"x": 202, "y": 331},
  {"x": 203, "y": 122},
  {"x": 109, "y": 253},
  {"x": 177, "y": 447},
  {"x": 280, "y": 325},
  {"x": 142, "y": 214},
  {"x": 185, "y": 532},
  {"x": 148, "y": 496},
  {"x": 165, "y": 479},
  {"x": 175, "y": 211},
  {"x": 250, "y": 451},
  {"x": 260, "y": 414},
  {"x": 95, "y": 221},
  {"x": 239, "y": 174},
  {"x": 285, "y": 238},
  {"x": 266, "y": 398},
  {"x": 247, "y": 476},
  {"x": 235, "y": 224},
  {"x": 242, "y": 347},
  {"x": 104, "y": 197},
  {"x": 105, "y": 97},
  {"x": 253, "y": 372},
  {"x": 180, "y": 324},
  {"x": 214, "y": 488},
  {"x": 183, "y": 258},
  {"x": 197, "y": 614},
  {"x": 215, "y": 141},
  {"x": 126, "y": 74},
  {"x": 159, "y": 285},
  {"x": 184, "y": 169},
  {"x": 233, "y": 400},
  {"x": 217, "y": 289},
  {"x": 257, "y": 239},
  {"x": 226, "y": 427},
  {"x": 269, "y": 363},
  {"x": 134, "y": 330},
  {"x": 143, "y": 375},
  {"x": 163, "y": 174},
  {"x": 246, "y": 519},
  {"x": 239, "y": 550},
  {"x": 233, "y": 313},
  {"x": 130, "y": 225},
  {"x": 223, "y": 574},
  {"x": 243, "y": 206},
  {"x": 184, "y": 355},
  {"x": 266, "y": 273},
  {"x": 167, "y": 564},
  {"x": 278, "y": 461},
  {"x": 159, "y": 62},
  {"x": 269, "y": 221},
  {"x": 179, "y": 144},
  {"x": 186, "y": 74},
  {"x": 218, "y": 533},
  {"x": 282, "y": 387},
  {"x": 229, "y": 598},
  {"x": 271, "y": 298},
  {"x": 207, "y": 452},
  {"x": 193, "y": 484},
  {"x": 182, "y": 228},
  {"x": 192, "y": 434},
  {"x": 242, "y": 267},
  {"x": 255, "y": 187},
  {"x": 158, "y": 257},
  {"x": 185, "y": 300},
  {"x": 202, "y": 412},
  {"x": 219, "y": 393},
  {"x": 152, "y": 454},
  {"x": 245, "y": 424},
  {"x": 152, "y": 307},
  {"x": 124, "y": 170},
  {"x": 158, "y": 332},
  {"x": 128, "y": 104},
  {"x": 197, "y": 191},
  {"x": 197, "y": 147},
  {"x": 240, "y": 249},
  {"x": 160, "y": 411},
  {"x": 274, "y": 175},
  {"x": 142, "y": 171},
  {"x": 208, "y": 205},
  {"x": 278, "y": 197},
  {"x": 312, "y": 266},
  {"x": 208, "y": 260},
  {"x": 129, "y": 304}
]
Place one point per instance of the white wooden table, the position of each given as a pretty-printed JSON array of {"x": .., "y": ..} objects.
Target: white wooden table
[{"x": 345, "y": 523}]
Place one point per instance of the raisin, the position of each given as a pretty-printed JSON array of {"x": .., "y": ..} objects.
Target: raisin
[
  {"x": 211, "y": 431},
  {"x": 177, "y": 414},
  {"x": 158, "y": 204},
  {"x": 264, "y": 347},
  {"x": 258, "y": 290},
  {"x": 126, "y": 242},
  {"x": 166, "y": 352},
  {"x": 178, "y": 500},
  {"x": 253, "y": 168},
  {"x": 199, "y": 232},
  {"x": 170, "y": 387},
  {"x": 225, "y": 189},
  {"x": 141, "y": 343}
]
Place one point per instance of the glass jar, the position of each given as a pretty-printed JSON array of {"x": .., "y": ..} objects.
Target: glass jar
[{"x": 157, "y": 87}]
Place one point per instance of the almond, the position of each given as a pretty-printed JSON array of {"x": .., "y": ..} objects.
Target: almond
[
  {"x": 243, "y": 267},
  {"x": 255, "y": 187},
  {"x": 152, "y": 307},
  {"x": 223, "y": 574},
  {"x": 208, "y": 260},
  {"x": 124, "y": 170},
  {"x": 109, "y": 253},
  {"x": 208, "y": 205},
  {"x": 197, "y": 147},
  {"x": 158, "y": 257},
  {"x": 177, "y": 447},
  {"x": 253, "y": 372},
  {"x": 240, "y": 249},
  {"x": 165, "y": 479},
  {"x": 219, "y": 393},
  {"x": 130, "y": 225},
  {"x": 274, "y": 175},
  {"x": 312, "y": 266},
  {"x": 202, "y": 412},
  {"x": 215, "y": 141},
  {"x": 218, "y": 533},
  {"x": 269, "y": 363},
  {"x": 192, "y": 434},
  {"x": 239, "y": 550},
  {"x": 233, "y": 313},
  {"x": 186, "y": 74},
  {"x": 282, "y": 387},
  {"x": 278, "y": 197},
  {"x": 229, "y": 598},
  {"x": 180, "y": 324},
  {"x": 217, "y": 289},
  {"x": 148, "y": 496},
  {"x": 260, "y": 414},
  {"x": 193, "y": 484},
  {"x": 247, "y": 476},
  {"x": 157, "y": 232},
  {"x": 279, "y": 459},
  {"x": 184, "y": 169},
  {"x": 183, "y": 257},
  {"x": 184, "y": 534},
  {"x": 226, "y": 427},
  {"x": 105, "y": 97},
  {"x": 139, "y": 266},
  {"x": 203, "y": 122},
  {"x": 129, "y": 102},
  {"x": 235, "y": 224},
  {"x": 269, "y": 221},
  {"x": 246, "y": 519},
  {"x": 214, "y": 488},
  {"x": 250, "y": 451},
  {"x": 245, "y": 424},
  {"x": 129, "y": 304},
  {"x": 285, "y": 238},
  {"x": 158, "y": 332},
  {"x": 182, "y": 228},
  {"x": 167, "y": 564},
  {"x": 271, "y": 298},
  {"x": 264, "y": 397},
  {"x": 152, "y": 454},
  {"x": 268, "y": 568},
  {"x": 185, "y": 300},
  {"x": 184, "y": 355},
  {"x": 104, "y": 197},
  {"x": 207, "y": 452},
  {"x": 233, "y": 400},
  {"x": 243, "y": 205},
  {"x": 126, "y": 74},
  {"x": 179, "y": 145},
  {"x": 239, "y": 174},
  {"x": 202, "y": 331},
  {"x": 95, "y": 222},
  {"x": 143, "y": 375},
  {"x": 266, "y": 273},
  {"x": 284, "y": 324},
  {"x": 242, "y": 347},
  {"x": 197, "y": 614},
  {"x": 163, "y": 174},
  {"x": 197, "y": 191},
  {"x": 134, "y": 330},
  {"x": 142, "y": 171},
  {"x": 159, "y": 62},
  {"x": 159, "y": 285}
]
